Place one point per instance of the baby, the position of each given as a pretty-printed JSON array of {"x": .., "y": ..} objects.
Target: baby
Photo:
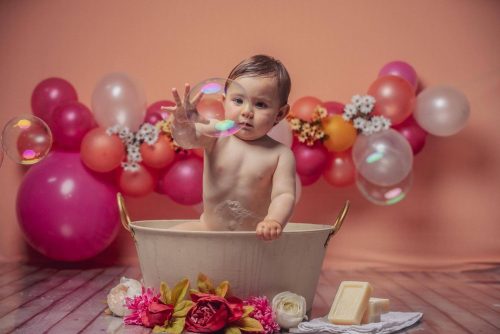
[{"x": 248, "y": 178}]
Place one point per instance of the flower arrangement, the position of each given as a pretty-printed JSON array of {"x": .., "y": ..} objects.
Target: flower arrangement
[
  {"x": 359, "y": 111},
  {"x": 309, "y": 132}
]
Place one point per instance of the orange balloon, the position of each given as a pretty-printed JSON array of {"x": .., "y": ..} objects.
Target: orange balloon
[
  {"x": 394, "y": 96},
  {"x": 341, "y": 134},
  {"x": 304, "y": 107},
  {"x": 137, "y": 183},
  {"x": 102, "y": 152},
  {"x": 159, "y": 155},
  {"x": 211, "y": 109}
]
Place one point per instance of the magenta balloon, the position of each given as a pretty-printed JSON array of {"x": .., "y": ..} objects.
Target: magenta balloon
[
  {"x": 70, "y": 122},
  {"x": 48, "y": 94},
  {"x": 334, "y": 108},
  {"x": 400, "y": 69},
  {"x": 183, "y": 182},
  {"x": 155, "y": 113},
  {"x": 415, "y": 135},
  {"x": 310, "y": 161},
  {"x": 66, "y": 212}
]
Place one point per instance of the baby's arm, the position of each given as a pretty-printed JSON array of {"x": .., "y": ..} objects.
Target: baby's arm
[{"x": 282, "y": 198}]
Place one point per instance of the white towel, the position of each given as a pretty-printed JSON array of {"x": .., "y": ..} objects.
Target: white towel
[{"x": 390, "y": 323}]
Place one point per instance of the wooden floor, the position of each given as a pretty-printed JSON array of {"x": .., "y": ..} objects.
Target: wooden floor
[{"x": 46, "y": 300}]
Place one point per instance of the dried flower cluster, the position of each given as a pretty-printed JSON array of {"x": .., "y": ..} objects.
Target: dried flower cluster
[{"x": 309, "y": 132}]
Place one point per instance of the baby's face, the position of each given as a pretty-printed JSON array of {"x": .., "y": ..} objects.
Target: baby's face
[{"x": 259, "y": 110}]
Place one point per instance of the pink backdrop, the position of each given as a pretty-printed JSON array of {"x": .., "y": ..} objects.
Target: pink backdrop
[{"x": 333, "y": 49}]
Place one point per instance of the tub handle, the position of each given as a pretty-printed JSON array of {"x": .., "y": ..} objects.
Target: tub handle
[
  {"x": 124, "y": 217},
  {"x": 338, "y": 222}
]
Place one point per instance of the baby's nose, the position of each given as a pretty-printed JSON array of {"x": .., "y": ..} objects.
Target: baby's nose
[{"x": 247, "y": 112}]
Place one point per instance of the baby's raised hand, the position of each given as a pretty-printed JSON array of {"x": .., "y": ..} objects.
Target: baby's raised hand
[
  {"x": 268, "y": 229},
  {"x": 184, "y": 109}
]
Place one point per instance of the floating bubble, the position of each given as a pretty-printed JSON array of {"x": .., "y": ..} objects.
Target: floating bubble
[
  {"x": 26, "y": 139},
  {"x": 384, "y": 195},
  {"x": 218, "y": 103}
]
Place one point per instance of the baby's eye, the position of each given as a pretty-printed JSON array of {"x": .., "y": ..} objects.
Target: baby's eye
[
  {"x": 261, "y": 105},
  {"x": 238, "y": 101}
]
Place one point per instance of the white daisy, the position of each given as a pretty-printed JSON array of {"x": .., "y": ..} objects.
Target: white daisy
[
  {"x": 350, "y": 109},
  {"x": 365, "y": 109},
  {"x": 359, "y": 123},
  {"x": 357, "y": 100}
]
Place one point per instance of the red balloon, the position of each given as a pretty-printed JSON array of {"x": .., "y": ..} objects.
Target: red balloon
[
  {"x": 183, "y": 182},
  {"x": 48, "y": 94},
  {"x": 310, "y": 161},
  {"x": 304, "y": 107},
  {"x": 340, "y": 170},
  {"x": 102, "y": 152},
  {"x": 70, "y": 122},
  {"x": 334, "y": 108},
  {"x": 136, "y": 183},
  {"x": 155, "y": 113},
  {"x": 415, "y": 135},
  {"x": 394, "y": 96},
  {"x": 159, "y": 155}
]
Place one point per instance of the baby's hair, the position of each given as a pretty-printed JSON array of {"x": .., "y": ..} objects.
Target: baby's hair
[{"x": 265, "y": 66}]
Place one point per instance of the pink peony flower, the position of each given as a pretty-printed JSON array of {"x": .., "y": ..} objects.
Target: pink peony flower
[
  {"x": 263, "y": 313},
  {"x": 147, "y": 309}
]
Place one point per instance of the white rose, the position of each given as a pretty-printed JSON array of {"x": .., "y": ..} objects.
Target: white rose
[
  {"x": 289, "y": 308},
  {"x": 116, "y": 297}
]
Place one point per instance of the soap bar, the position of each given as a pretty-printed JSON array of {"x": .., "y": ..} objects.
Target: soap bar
[
  {"x": 376, "y": 307},
  {"x": 350, "y": 303}
]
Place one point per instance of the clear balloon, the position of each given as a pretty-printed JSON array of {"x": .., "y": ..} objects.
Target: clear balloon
[
  {"x": 70, "y": 122},
  {"x": 217, "y": 102},
  {"x": 384, "y": 195},
  {"x": 66, "y": 212},
  {"x": 400, "y": 69},
  {"x": 26, "y": 139},
  {"x": 394, "y": 96},
  {"x": 340, "y": 170},
  {"x": 310, "y": 161},
  {"x": 442, "y": 110},
  {"x": 48, "y": 94},
  {"x": 118, "y": 100},
  {"x": 304, "y": 107},
  {"x": 282, "y": 132},
  {"x": 383, "y": 158}
]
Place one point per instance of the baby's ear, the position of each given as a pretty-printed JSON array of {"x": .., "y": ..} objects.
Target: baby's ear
[{"x": 282, "y": 113}]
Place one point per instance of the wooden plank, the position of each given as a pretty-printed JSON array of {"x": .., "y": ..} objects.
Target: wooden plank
[
  {"x": 17, "y": 273},
  {"x": 25, "y": 282},
  {"x": 92, "y": 308},
  {"x": 30, "y": 305},
  {"x": 60, "y": 309},
  {"x": 481, "y": 281}
]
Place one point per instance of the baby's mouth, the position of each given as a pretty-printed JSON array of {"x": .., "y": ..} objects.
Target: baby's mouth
[{"x": 246, "y": 125}]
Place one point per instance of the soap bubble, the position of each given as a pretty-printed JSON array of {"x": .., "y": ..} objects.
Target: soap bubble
[
  {"x": 1, "y": 155},
  {"x": 384, "y": 195},
  {"x": 26, "y": 139},
  {"x": 219, "y": 103}
]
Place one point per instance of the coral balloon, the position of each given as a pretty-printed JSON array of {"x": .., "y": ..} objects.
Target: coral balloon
[
  {"x": 183, "y": 182},
  {"x": 310, "y": 161},
  {"x": 159, "y": 155},
  {"x": 394, "y": 96},
  {"x": 136, "y": 183},
  {"x": 334, "y": 108},
  {"x": 384, "y": 195},
  {"x": 66, "y": 212},
  {"x": 442, "y": 110},
  {"x": 48, "y": 94},
  {"x": 118, "y": 99},
  {"x": 341, "y": 134},
  {"x": 102, "y": 152},
  {"x": 340, "y": 170},
  {"x": 69, "y": 123},
  {"x": 413, "y": 133},
  {"x": 155, "y": 113},
  {"x": 304, "y": 107},
  {"x": 282, "y": 132},
  {"x": 402, "y": 70}
]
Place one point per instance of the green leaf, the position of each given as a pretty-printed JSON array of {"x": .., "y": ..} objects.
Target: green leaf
[
  {"x": 179, "y": 291},
  {"x": 247, "y": 310},
  {"x": 205, "y": 284},
  {"x": 222, "y": 289},
  {"x": 232, "y": 330},
  {"x": 166, "y": 294},
  {"x": 182, "y": 308},
  {"x": 248, "y": 324},
  {"x": 174, "y": 327}
]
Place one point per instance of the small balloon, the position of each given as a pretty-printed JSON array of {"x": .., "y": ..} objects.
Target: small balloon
[
  {"x": 340, "y": 170},
  {"x": 159, "y": 155},
  {"x": 304, "y": 107},
  {"x": 334, "y": 108},
  {"x": 394, "y": 98},
  {"x": 70, "y": 122},
  {"x": 341, "y": 134},
  {"x": 102, "y": 152},
  {"x": 26, "y": 139},
  {"x": 384, "y": 195},
  {"x": 282, "y": 132},
  {"x": 400, "y": 69},
  {"x": 118, "y": 99},
  {"x": 415, "y": 135},
  {"x": 48, "y": 94},
  {"x": 156, "y": 112},
  {"x": 310, "y": 161},
  {"x": 136, "y": 183},
  {"x": 383, "y": 158},
  {"x": 442, "y": 110},
  {"x": 183, "y": 182}
]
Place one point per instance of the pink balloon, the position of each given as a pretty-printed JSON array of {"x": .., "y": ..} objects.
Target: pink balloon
[
  {"x": 310, "y": 162},
  {"x": 70, "y": 122},
  {"x": 282, "y": 132},
  {"x": 400, "y": 69},
  {"x": 334, "y": 108},
  {"x": 48, "y": 94},
  {"x": 66, "y": 212},
  {"x": 155, "y": 113},
  {"x": 183, "y": 182},
  {"x": 340, "y": 170},
  {"x": 413, "y": 133}
]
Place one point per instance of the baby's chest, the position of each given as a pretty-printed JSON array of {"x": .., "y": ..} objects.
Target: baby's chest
[{"x": 244, "y": 167}]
